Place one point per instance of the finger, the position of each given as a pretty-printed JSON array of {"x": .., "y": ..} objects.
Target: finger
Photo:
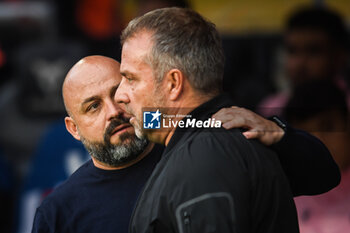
[
  {"x": 251, "y": 134},
  {"x": 234, "y": 123},
  {"x": 222, "y": 112},
  {"x": 225, "y": 116}
]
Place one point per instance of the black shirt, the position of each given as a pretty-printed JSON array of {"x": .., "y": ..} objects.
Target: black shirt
[
  {"x": 214, "y": 180},
  {"x": 95, "y": 200}
]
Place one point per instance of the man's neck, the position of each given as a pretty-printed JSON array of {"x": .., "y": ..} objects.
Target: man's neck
[{"x": 104, "y": 166}]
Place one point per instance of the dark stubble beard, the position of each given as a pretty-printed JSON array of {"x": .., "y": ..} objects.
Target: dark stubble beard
[{"x": 129, "y": 148}]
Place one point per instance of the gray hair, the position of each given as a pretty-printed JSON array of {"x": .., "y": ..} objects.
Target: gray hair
[{"x": 183, "y": 40}]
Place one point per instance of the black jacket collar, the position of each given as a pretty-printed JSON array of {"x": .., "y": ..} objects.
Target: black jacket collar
[{"x": 203, "y": 112}]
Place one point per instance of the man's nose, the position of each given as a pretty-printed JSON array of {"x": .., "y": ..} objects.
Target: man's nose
[
  {"x": 113, "y": 110},
  {"x": 121, "y": 95}
]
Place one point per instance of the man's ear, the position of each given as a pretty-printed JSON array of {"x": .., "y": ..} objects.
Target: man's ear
[
  {"x": 175, "y": 83},
  {"x": 72, "y": 127}
]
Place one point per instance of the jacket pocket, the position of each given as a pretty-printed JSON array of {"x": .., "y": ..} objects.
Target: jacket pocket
[{"x": 208, "y": 213}]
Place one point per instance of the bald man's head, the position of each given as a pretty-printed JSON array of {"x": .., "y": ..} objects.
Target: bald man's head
[
  {"x": 94, "y": 116},
  {"x": 79, "y": 74}
]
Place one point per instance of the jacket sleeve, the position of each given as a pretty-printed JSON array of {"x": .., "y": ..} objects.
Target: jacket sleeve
[
  {"x": 308, "y": 164},
  {"x": 40, "y": 224}
]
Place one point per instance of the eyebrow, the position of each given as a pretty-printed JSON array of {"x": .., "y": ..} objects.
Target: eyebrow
[
  {"x": 95, "y": 97},
  {"x": 127, "y": 73},
  {"x": 88, "y": 100},
  {"x": 124, "y": 73}
]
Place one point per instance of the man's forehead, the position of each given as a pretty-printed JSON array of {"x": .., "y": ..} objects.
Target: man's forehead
[
  {"x": 98, "y": 85},
  {"x": 314, "y": 35},
  {"x": 134, "y": 57},
  {"x": 94, "y": 81},
  {"x": 137, "y": 46},
  {"x": 91, "y": 76}
]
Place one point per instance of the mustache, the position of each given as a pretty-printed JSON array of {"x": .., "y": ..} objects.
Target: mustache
[{"x": 115, "y": 122}]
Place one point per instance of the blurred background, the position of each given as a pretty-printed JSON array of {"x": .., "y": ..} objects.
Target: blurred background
[{"x": 283, "y": 57}]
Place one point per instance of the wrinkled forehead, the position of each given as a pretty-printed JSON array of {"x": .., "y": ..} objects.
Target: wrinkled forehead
[{"x": 91, "y": 81}]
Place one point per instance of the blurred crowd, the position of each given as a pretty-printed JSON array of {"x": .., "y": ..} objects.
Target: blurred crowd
[{"x": 300, "y": 74}]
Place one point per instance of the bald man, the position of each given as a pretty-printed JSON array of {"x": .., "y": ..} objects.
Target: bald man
[
  {"x": 88, "y": 93},
  {"x": 100, "y": 195}
]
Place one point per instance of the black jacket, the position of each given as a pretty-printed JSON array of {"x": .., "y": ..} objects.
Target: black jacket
[
  {"x": 308, "y": 164},
  {"x": 215, "y": 181}
]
